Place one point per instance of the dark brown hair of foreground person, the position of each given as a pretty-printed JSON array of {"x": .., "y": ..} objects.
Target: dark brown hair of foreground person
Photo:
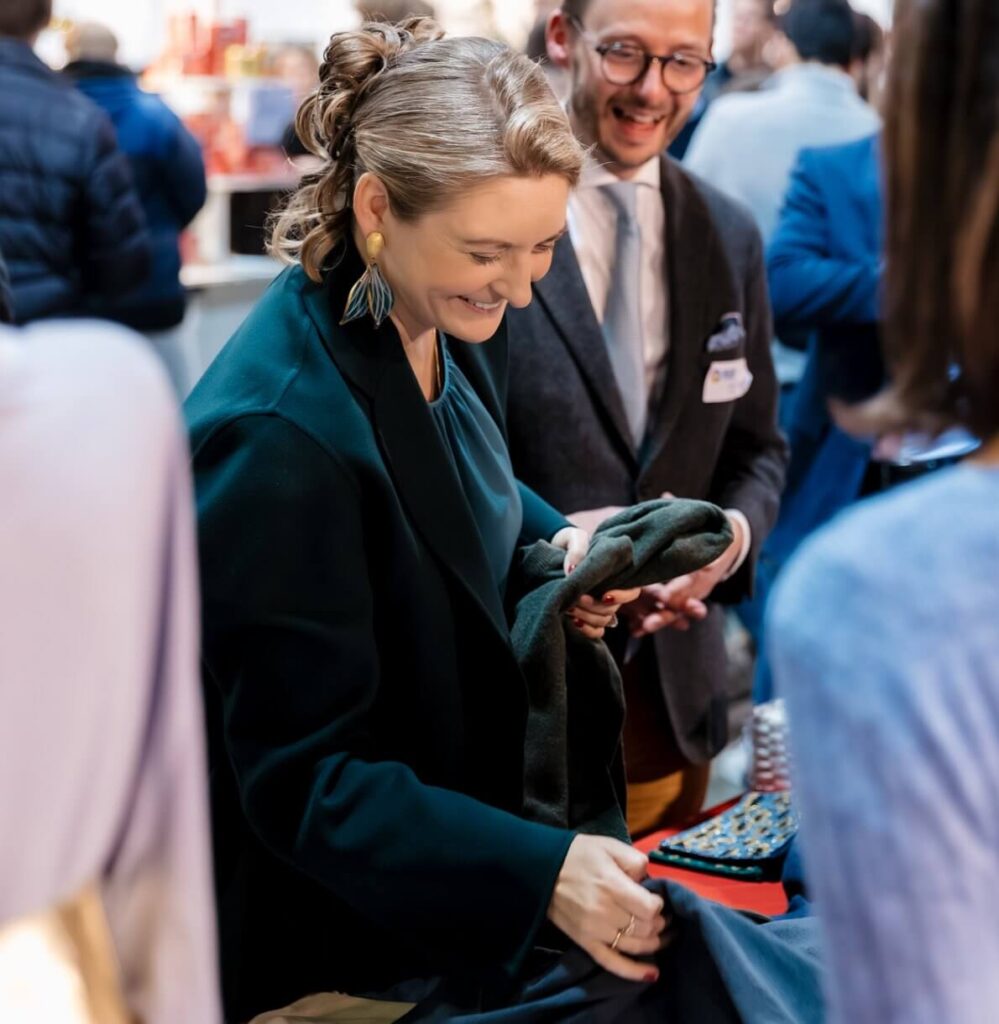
[
  {"x": 942, "y": 181},
  {"x": 21, "y": 19}
]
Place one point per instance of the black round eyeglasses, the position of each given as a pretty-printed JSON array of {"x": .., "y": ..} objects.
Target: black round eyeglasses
[{"x": 626, "y": 63}]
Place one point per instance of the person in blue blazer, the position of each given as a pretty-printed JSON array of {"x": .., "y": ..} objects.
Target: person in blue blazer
[
  {"x": 824, "y": 267},
  {"x": 358, "y": 515}
]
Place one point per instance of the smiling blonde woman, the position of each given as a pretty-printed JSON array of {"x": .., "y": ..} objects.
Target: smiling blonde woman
[{"x": 358, "y": 516}]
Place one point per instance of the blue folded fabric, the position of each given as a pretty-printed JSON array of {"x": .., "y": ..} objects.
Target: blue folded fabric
[{"x": 723, "y": 966}]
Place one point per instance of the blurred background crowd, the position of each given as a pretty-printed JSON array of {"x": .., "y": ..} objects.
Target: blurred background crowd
[{"x": 214, "y": 152}]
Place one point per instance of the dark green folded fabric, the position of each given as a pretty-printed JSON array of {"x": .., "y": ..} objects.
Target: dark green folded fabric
[{"x": 574, "y": 772}]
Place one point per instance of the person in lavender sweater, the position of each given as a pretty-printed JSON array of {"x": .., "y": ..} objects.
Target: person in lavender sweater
[
  {"x": 103, "y": 788},
  {"x": 883, "y": 631}
]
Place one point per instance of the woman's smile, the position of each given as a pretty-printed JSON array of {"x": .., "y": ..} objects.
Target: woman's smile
[{"x": 487, "y": 308}]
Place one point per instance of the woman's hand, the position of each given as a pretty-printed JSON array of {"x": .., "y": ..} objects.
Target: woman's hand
[
  {"x": 575, "y": 543},
  {"x": 590, "y": 617},
  {"x": 599, "y": 904}
]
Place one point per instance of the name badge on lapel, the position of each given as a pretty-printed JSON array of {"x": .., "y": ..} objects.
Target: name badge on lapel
[{"x": 726, "y": 380}]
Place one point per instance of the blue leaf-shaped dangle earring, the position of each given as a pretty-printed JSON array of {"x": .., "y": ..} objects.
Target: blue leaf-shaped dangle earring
[{"x": 372, "y": 293}]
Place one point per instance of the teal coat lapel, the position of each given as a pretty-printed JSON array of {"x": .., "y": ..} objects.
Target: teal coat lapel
[{"x": 373, "y": 361}]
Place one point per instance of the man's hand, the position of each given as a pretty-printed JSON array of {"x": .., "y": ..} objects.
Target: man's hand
[
  {"x": 651, "y": 612},
  {"x": 590, "y": 519},
  {"x": 681, "y": 601}
]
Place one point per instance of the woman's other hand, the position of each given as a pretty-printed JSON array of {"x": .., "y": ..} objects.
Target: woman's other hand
[
  {"x": 599, "y": 903},
  {"x": 590, "y": 616},
  {"x": 575, "y": 543}
]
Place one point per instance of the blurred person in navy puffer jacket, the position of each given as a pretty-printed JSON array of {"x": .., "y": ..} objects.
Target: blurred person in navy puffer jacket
[
  {"x": 72, "y": 229},
  {"x": 166, "y": 163}
]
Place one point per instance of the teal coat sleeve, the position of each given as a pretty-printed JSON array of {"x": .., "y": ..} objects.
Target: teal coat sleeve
[
  {"x": 541, "y": 520},
  {"x": 290, "y": 644}
]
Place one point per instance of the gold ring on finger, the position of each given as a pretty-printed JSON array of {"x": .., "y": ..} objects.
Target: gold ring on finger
[
  {"x": 630, "y": 930},
  {"x": 618, "y": 937}
]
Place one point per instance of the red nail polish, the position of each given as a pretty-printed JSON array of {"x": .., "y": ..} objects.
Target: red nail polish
[
  {"x": 652, "y": 976},
  {"x": 570, "y": 569},
  {"x": 578, "y": 623},
  {"x": 607, "y": 598}
]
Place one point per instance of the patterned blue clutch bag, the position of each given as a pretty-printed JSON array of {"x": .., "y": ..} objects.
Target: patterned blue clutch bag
[{"x": 748, "y": 841}]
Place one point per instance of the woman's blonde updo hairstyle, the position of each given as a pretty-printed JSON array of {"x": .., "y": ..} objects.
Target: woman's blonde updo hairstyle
[{"x": 431, "y": 117}]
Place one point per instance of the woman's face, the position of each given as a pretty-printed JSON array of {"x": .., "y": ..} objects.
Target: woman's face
[{"x": 458, "y": 268}]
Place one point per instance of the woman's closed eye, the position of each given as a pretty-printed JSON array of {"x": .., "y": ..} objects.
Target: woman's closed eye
[{"x": 485, "y": 258}]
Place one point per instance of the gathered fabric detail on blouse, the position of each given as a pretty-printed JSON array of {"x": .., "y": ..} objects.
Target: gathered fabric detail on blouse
[{"x": 480, "y": 456}]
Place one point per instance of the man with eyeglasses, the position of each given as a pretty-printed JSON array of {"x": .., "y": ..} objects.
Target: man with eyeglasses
[{"x": 643, "y": 368}]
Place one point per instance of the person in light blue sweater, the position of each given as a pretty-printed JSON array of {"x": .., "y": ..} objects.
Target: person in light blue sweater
[{"x": 883, "y": 631}]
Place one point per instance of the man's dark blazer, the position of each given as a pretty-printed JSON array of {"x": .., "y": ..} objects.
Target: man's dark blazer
[
  {"x": 569, "y": 435},
  {"x": 366, "y": 715}
]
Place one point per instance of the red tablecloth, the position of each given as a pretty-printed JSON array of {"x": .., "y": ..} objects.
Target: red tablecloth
[{"x": 763, "y": 897}]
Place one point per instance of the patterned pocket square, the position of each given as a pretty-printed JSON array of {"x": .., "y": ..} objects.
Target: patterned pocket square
[{"x": 728, "y": 338}]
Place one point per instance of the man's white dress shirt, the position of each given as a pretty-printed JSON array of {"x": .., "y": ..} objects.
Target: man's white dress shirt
[{"x": 593, "y": 230}]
